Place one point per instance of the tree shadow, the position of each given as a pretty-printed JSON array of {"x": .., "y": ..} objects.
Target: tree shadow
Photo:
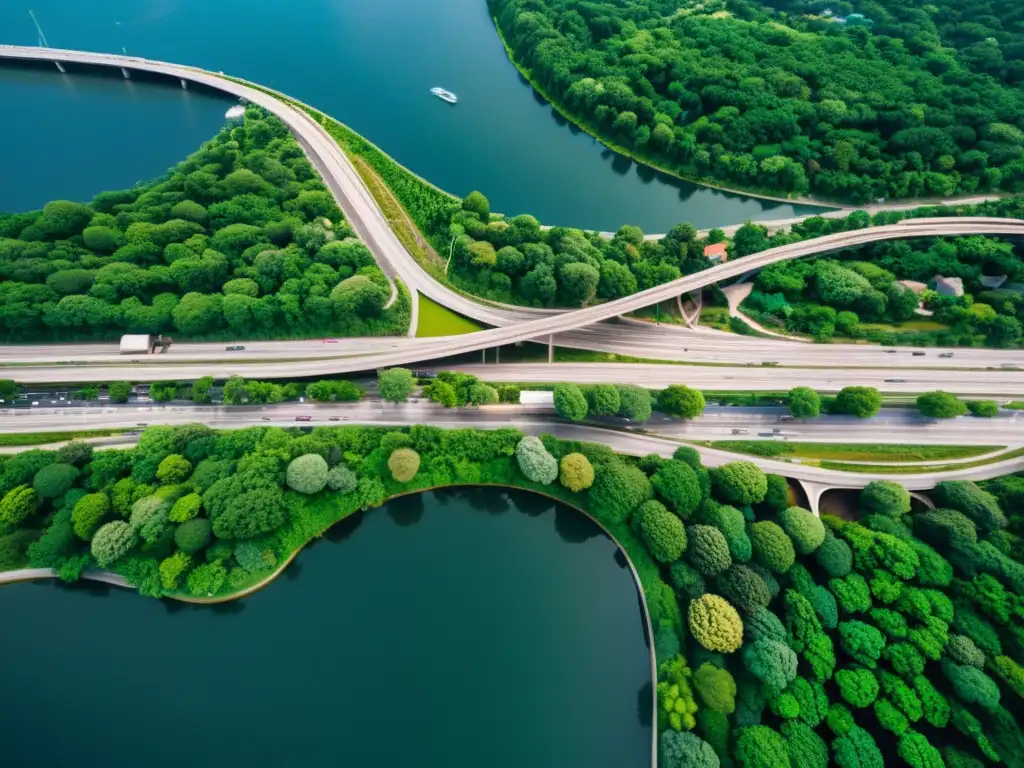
[
  {"x": 343, "y": 529},
  {"x": 644, "y": 712},
  {"x": 573, "y": 527},
  {"x": 493, "y": 501},
  {"x": 406, "y": 511}
]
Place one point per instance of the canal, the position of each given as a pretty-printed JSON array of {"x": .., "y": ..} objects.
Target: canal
[
  {"x": 445, "y": 630},
  {"x": 370, "y": 64}
]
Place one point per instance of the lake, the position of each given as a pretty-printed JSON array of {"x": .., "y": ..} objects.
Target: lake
[
  {"x": 369, "y": 64},
  {"x": 452, "y": 629}
]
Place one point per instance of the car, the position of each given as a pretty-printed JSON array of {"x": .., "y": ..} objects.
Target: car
[
  {"x": 142, "y": 424},
  {"x": 740, "y": 432},
  {"x": 266, "y": 418},
  {"x": 945, "y": 354},
  {"x": 35, "y": 402},
  {"x": 330, "y": 341},
  {"x": 917, "y": 354},
  {"x": 895, "y": 381},
  {"x": 234, "y": 348},
  {"x": 786, "y": 417},
  {"x": 890, "y": 351},
  {"x": 334, "y": 418},
  {"x": 303, "y": 418}
]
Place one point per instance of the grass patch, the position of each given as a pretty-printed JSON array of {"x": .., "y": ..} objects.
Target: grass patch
[
  {"x": 898, "y": 470},
  {"x": 667, "y": 314},
  {"x": 436, "y": 320},
  {"x": 715, "y": 317},
  {"x": 851, "y": 451},
  {"x": 1015, "y": 405},
  {"x": 42, "y": 438},
  {"x": 924, "y": 326}
]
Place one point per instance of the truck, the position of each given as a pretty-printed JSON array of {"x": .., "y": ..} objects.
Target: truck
[{"x": 144, "y": 344}]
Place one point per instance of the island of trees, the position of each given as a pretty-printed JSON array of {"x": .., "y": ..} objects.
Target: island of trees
[
  {"x": 240, "y": 239},
  {"x": 790, "y": 96},
  {"x": 781, "y": 638}
]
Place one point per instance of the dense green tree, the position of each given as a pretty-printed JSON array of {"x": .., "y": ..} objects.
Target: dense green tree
[
  {"x": 966, "y": 497},
  {"x": 307, "y": 474},
  {"x": 771, "y": 661},
  {"x": 761, "y": 747},
  {"x": 676, "y": 484},
  {"x": 681, "y": 401},
  {"x": 575, "y": 472},
  {"x": 940, "y": 405},
  {"x": 111, "y": 542},
  {"x": 804, "y": 528},
  {"x": 604, "y": 400},
  {"x": 715, "y": 624},
  {"x": 534, "y": 461},
  {"x": 341, "y": 479},
  {"x": 862, "y": 402},
  {"x": 618, "y": 489},
  {"x": 680, "y": 749},
  {"x": 707, "y": 550},
  {"x": 773, "y": 549},
  {"x": 634, "y": 403},
  {"x": 54, "y": 480},
  {"x": 716, "y": 687},
  {"x": 193, "y": 536},
  {"x": 396, "y": 384},
  {"x": 662, "y": 532},
  {"x": 804, "y": 403},
  {"x": 570, "y": 402},
  {"x": 17, "y": 505},
  {"x": 740, "y": 483},
  {"x": 174, "y": 469},
  {"x": 119, "y": 391},
  {"x": 742, "y": 587},
  {"x": 89, "y": 513},
  {"x": 884, "y": 497}
]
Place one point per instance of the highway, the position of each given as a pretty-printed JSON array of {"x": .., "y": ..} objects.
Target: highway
[
  {"x": 511, "y": 324},
  {"x": 716, "y": 425}
]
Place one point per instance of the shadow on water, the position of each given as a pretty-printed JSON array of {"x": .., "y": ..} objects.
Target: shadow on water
[
  {"x": 621, "y": 164},
  {"x": 407, "y": 511},
  {"x": 89, "y": 588},
  {"x": 343, "y": 529},
  {"x": 574, "y": 528},
  {"x": 493, "y": 501},
  {"x": 646, "y": 173},
  {"x": 643, "y": 705}
]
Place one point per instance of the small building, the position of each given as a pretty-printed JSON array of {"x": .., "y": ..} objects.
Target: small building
[
  {"x": 913, "y": 285},
  {"x": 537, "y": 397},
  {"x": 993, "y": 281},
  {"x": 949, "y": 286},
  {"x": 716, "y": 253}
]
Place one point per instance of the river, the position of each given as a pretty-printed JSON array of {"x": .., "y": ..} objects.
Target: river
[
  {"x": 451, "y": 629},
  {"x": 371, "y": 65}
]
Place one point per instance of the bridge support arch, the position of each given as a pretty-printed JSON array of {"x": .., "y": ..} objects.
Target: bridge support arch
[
  {"x": 124, "y": 72},
  {"x": 184, "y": 84},
  {"x": 60, "y": 67}
]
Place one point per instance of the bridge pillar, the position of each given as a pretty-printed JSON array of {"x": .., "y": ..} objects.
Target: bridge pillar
[
  {"x": 483, "y": 356},
  {"x": 125, "y": 73},
  {"x": 551, "y": 348},
  {"x": 497, "y": 355},
  {"x": 184, "y": 84},
  {"x": 60, "y": 67}
]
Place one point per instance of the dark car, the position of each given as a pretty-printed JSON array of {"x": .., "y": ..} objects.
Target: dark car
[
  {"x": 334, "y": 418},
  {"x": 303, "y": 418},
  {"x": 234, "y": 348},
  {"x": 917, "y": 354}
]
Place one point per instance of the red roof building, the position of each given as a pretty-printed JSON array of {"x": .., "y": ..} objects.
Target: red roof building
[{"x": 716, "y": 252}]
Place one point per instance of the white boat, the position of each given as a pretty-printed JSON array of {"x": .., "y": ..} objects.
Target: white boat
[{"x": 448, "y": 96}]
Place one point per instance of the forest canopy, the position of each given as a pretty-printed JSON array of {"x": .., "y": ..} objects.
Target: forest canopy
[
  {"x": 847, "y": 100},
  {"x": 241, "y": 238}
]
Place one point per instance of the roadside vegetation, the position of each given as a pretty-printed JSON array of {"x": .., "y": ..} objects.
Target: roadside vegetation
[
  {"x": 438, "y": 320},
  {"x": 770, "y": 96},
  {"x": 241, "y": 239},
  {"x": 18, "y": 439},
  {"x": 781, "y": 638},
  {"x": 889, "y": 293},
  {"x": 850, "y": 451}
]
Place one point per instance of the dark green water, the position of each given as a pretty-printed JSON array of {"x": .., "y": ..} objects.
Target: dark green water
[
  {"x": 370, "y": 64},
  {"x": 457, "y": 629}
]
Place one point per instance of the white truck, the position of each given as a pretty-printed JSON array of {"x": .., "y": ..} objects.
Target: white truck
[{"x": 144, "y": 344}]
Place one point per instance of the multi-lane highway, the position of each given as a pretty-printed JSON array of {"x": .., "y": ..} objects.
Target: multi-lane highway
[
  {"x": 511, "y": 324},
  {"x": 660, "y": 436}
]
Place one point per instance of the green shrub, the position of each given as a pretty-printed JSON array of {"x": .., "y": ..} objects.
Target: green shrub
[
  {"x": 804, "y": 403},
  {"x": 207, "y": 579},
  {"x": 740, "y": 483},
  {"x": 773, "y": 549},
  {"x": 857, "y": 749},
  {"x": 662, "y": 532},
  {"x": 618, "y": 489},
  {"x": 862, "y": 642},
  {"x": 972, "y": 685},
  {"x": 89, "y": 513},
  {"x": 688, "y": 582},
  {"x": 806, "y": 748},
  {"x": 732, "y": 524},
  {"x": 852, "y": 593},
  {"x": 742, "y": 587},
  {"x": 185, "y": 508},
  {"x": 917, "y": 752},
  {"x": 341, "y": 479},
  {"x": 536, "y": 464},
  {"x": 964, "y": 496},
  {"x": 403, "y": 463},
  {"x": 575, "y": 472},
  {"x": 193, "y": 536},
  {"x": 884, "y": 497},
  {"x": 778, "y": 494},
  {"x": 761, "y": 747},
  {"x": 684, "y": 750},
  {"x": 173, "y": 568},
  {"x": 604, "y": 400},
  {"x": 676, "y": 704},
  {"x": 18, "y": 504},
  {"x": 681, "y": 401},
  {"x": 55, "y": 480},
  {"x": 715, "y": 624},
  {"x": 716, "y": 688},
  {"x": 804, "y": 528},
  {"x": 707, "y": 550},
  {"x": 772, "y": 662},
  {"x": 174, "y": 469},
  {"x": 307, "y": 474},
  {"x": 112, "y": 542},
  {"x": 763, "y": 624},
  {"x": 859, "y": 687},
  {"x": 254, "y": 557},
  {"x": 570, "y": 402},
  {"x": 676, "y": 483},
  {"x": 834, "y": 557}
]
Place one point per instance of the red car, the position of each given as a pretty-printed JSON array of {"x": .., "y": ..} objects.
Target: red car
[{"x": 303, "y": 418}]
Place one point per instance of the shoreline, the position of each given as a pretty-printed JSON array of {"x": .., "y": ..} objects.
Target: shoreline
[{"x": 35, "y": 574}]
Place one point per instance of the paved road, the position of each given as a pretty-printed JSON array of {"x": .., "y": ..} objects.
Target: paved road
[
  {"x": 519, "y": 324},
  {"x": 531, "y": 420}
]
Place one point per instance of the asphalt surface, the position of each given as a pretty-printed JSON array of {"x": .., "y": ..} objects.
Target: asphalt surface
[
  {"x": 717, "y": 424},
  {"x": 511, "y": 324}
]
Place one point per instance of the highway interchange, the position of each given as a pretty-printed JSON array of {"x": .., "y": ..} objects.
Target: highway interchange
[{"x": 770, "y": 365}]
